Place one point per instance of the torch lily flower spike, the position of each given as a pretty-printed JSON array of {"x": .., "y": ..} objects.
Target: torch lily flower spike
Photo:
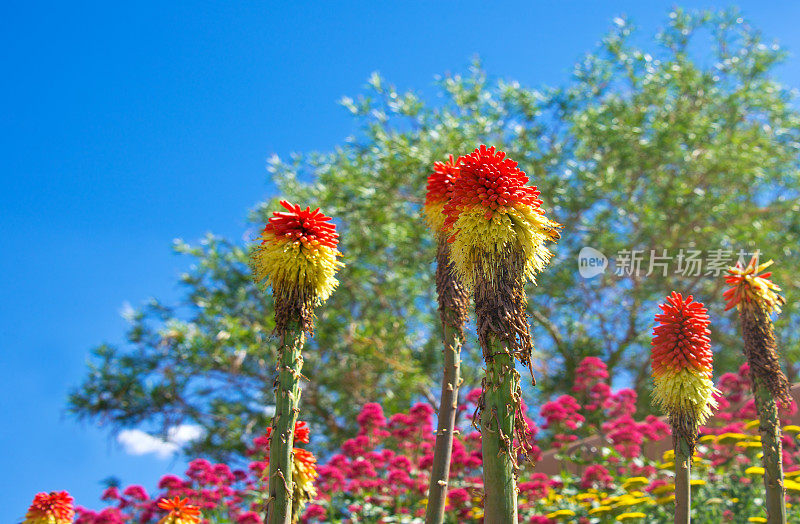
[
  {"x": 304, "y": 474},
  {"x": 180, "y": 511},
  {"x": 298, "y": 258},
  {"x": 756, "y": 297},
  {"x": 493, "y": 215},
  {"x": 453, "y": 303},
  {"x": 681, "y": 361},
  {"x": 749, "y": 289},
  {"x": 50, "y": 508},
  {"x": 440, "y": 185},
  {"x": 498, "y": 233}
]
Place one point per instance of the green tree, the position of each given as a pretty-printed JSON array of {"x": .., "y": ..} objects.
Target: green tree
[{"x": 686, "y": 143}]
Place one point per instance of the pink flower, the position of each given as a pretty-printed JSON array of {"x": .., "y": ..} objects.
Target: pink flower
[
  {"x": 170, "y": 482},
  {"x": 371, "y": 420},
  {"x": 596, "y": 476},
  {"x": 314, "y": 511},
  {"x": 249, "y": 517},
  {"x": 458, "y": 497},
  {"x": 474, "y": 396},
  {"x": 564, "y": 410},
  {"x": 111, "y": 493},
  {"x": 136, "y": 492}
]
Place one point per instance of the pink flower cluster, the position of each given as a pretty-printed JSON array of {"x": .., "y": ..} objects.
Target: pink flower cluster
[
  {"x": 383, "y": 471},
  {"x": 211, "y": 487}
]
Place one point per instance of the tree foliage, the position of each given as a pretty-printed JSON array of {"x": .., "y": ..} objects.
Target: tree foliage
[{"x": 685, "y": 143}]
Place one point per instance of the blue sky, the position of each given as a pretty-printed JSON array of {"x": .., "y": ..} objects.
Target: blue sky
[{"x": 126, "y": 125}]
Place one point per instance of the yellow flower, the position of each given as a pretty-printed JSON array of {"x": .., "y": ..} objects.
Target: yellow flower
[
  {"x": 756, "y": 519},
  {"x": 561, "y": 513},
  {"x": 706, "y": 438},
  {"x": 668, "y": 455},
  {"x": 665, "y": 499},
  {"x": 666, "y": 465},
  {"x": 628, "y": 500},
  {"x": 697, "y": 482},
  {"x": 790, "y": 474},
  {"x": 698, "y": 461},
  {"x": 755, "y": 471},
  {"x": 664, "y": 488},
  {"x": 791, "y": 485},
  {"x": 730, "y": 437},
  {"x": 599, "y": 509},
  {"x": 635, "y": 482},
  {"x": 791, "y": 429},
  {"x": 630, "y": 516},
  {"x": 752, "y": 424},
  {"x": 748, "y": 445},
  {"x": 585, "y": 496},
  {"x": 734, "y": 500}
]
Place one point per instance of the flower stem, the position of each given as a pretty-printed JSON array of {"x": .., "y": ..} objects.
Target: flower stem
[
  {"x": 497, "y": 430},
  {"x": 287, "y": 398},
  {"x": 770, "y": 429},
  {"x": 453, "y": 304},
  {"x": 440, "y": 473},
  {"x": 769, "y": 387},
  {"x": 683, "y": 486}
]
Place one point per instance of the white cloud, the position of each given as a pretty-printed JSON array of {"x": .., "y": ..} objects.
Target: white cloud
[
  {"x": 184, "y": 434},
  {"x": 137, "y": 442}
]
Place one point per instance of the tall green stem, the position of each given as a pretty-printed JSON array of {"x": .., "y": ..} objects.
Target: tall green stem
[
  {"x": 448, "y": 405},
  {"x": 287, "y": 398},
  {"x": 497, "y": 431},
  {"x": 683, "y": 485},
  {"x": 770, "y": 429},
  {"x": 453, "y": 304},
  {"x": 769, "y": 386}
]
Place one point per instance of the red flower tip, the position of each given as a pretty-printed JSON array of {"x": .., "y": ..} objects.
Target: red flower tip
[
  {"x": 680, "y": 340},
  {"x": 50, "y": 508},
  {"x": 301, "y": 433},
  {"x": 490, "y": 180},
  {"x": 309, "y": 227},
  {"x": 440, "y": 182},
  {"x": 748, "y": 287},
  {"x": 180, "y": 511},
  {"x": 305, "y": 457}
]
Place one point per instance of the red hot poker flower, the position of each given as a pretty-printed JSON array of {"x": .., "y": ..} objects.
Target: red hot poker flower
[
  {"x": 440, "y": 184},
  {"x": 301, "y": 433},
  {"x": 681, "y": 338},
  {"x": 297, "y": 257},
  {"x": 312, "y": 228},
  {"x": 749, "y": 289},
  {"x": 491, "y": 181},
  {"x": 50, "y": 508},
  {"x": 180, "y": 511},
  {"x": 492, "y": 215},
  {"x": 681, "y": 359}
]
